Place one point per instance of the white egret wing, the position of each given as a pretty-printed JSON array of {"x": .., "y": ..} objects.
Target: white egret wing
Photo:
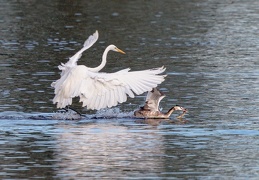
[
  {"x": 101, "y": 90},
  {"x": 73, "y": 60}
]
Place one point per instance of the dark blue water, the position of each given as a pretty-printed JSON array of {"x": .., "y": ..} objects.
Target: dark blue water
[{"x": 210, "y": 50}]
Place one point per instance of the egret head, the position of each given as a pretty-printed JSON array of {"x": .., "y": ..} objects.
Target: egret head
[{"x": 114, "y": 48}]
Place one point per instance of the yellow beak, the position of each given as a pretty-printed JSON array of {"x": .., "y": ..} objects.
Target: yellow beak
[{"x": 120, "y": 51}]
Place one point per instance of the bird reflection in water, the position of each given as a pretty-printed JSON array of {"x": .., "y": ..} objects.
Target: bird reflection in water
[{"x": 108, "y": 150}]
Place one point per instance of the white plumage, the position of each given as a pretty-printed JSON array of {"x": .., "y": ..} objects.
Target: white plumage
[{"x": 100, "y": 90}]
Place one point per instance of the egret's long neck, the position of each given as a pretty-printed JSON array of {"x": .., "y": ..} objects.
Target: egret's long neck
[{"x": 104, "y": 57}]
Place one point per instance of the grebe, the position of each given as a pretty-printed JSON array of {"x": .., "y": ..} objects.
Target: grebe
[{"x": 151, "y": 108}]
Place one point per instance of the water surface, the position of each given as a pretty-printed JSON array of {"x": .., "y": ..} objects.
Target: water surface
[{"x": 210, "y": 50}]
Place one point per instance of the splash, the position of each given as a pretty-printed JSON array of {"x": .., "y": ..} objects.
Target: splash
[
  {"x": 67, "y": 114},
  {"x": 112, "y": 113}
]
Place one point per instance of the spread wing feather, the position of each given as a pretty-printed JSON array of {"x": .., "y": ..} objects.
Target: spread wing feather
[
  {"x": 101, "y": 90},
  {"x": 153, "y": 99},
  {"x": 73, "y": 60}
]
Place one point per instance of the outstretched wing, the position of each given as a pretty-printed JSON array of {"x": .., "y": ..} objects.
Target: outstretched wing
[
  {"x": 101, "y": 90},
  {"x": 153, "y": 100},
  {"x": 73, "y": 60}
]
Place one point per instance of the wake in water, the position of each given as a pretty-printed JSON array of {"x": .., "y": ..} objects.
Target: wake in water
[
  {"x": 112, "y": 113},
  {"x": 71, "y": 114},
  {"x": 68, "y": 114}
]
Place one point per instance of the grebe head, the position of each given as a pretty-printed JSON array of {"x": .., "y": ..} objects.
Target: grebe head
[{"x": 179, "y": 108}]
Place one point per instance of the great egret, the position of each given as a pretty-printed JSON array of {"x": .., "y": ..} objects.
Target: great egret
[
  {"x": 151, "y": 108},
  {"x": 100, "y": 90}
]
